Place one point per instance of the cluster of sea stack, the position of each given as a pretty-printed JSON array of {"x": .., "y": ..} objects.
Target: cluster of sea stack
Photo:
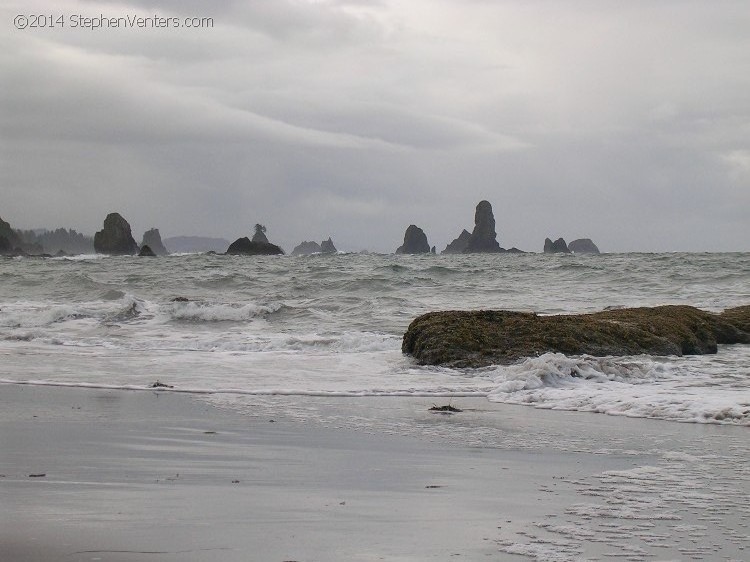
[
  {"x": 483, "y": 239},
  {"x": 116, "y": 238}
]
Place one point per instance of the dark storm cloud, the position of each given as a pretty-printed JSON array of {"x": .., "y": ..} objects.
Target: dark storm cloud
[{"x": 627, "y": 123}]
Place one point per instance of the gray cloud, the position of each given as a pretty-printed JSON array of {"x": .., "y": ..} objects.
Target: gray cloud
[{"x": 625, "y": 122}]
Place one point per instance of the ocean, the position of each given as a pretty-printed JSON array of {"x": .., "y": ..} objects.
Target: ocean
[{"x": 280, "y": 328}]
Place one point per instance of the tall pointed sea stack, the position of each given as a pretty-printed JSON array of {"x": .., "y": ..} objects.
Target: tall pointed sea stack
[
  {"x": 483, "y": 238},
  {"x": 115, "y": 238}
]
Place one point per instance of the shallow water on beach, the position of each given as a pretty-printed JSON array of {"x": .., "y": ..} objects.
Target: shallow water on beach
[{"x": 332, "y": 326}]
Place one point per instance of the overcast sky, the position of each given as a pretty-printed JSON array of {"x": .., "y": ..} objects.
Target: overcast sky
[{"x": 624, "y": 121}]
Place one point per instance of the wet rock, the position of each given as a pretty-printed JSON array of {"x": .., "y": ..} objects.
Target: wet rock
[
  {"x": 152, "y": 239},
  {"x": 583, "y": 246},
  {"x": 458, "y": 246},
  {"x": 486, "y": 337},
  {"x": 739, "y": 317},
  {"x": 146, "y": 252},
  {"x": 557, "y": 247},
  {"x": 415, "y": 241},
  {"x": 115, "y": 238}
]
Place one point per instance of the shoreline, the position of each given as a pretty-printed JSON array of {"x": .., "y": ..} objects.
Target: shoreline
[{"x": 136, "y": 476}]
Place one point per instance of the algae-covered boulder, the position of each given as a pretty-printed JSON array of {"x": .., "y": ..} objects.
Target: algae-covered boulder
[
  {"x": 739, "y": 317},
  {"x": 486, "y": 337},
  {"x": 115, "y": 238}
]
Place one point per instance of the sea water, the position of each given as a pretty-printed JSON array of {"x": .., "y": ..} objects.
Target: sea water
[{"x": 331, "y": 325}]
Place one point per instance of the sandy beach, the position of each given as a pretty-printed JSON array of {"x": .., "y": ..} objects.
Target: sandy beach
[{"x": 92, "y": 474}]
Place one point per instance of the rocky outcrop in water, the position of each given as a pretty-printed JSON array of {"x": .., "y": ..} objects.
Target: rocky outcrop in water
[
  {"x": 415, "y": 242},
  {"x": 11, "y": 243},
  {"x": 327, "y": 247},
  {"x": 458, "y": 246},
  {"x": 258, "y": 246},
  {"x": 260, "y": 234},
  {"x": 557, "y": 247},
  {"x": 9, "y": 236},
  {"x": 483, "y": 238},
  {"x": 306, "y": 248},
  {"x": 583, "y": 246},
  {"x": 152, "y": 239},
  {"x": 246, "y": 247},
  {"x": 487, "y": 337},
  {"x": 146, "y": 252},
  {"x": 115, "y": 238}
]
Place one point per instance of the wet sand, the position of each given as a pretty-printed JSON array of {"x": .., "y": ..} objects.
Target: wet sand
[{"x": 137, "y": 476}]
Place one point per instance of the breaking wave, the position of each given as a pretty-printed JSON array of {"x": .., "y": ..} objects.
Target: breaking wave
[{"x": 676, "y": 389}]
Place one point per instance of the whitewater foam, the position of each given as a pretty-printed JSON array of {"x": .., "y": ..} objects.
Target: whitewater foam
[
  {"x": 335, "y": 325},
  {"x": 679, "y": 389}
]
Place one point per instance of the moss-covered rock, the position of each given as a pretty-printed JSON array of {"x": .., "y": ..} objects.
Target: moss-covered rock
[{"x": 486, "y": 337}]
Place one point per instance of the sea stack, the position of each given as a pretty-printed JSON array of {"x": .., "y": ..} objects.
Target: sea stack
[
  {"x": 9, "y": 239},
  {"x": 483, "y": 238},
  {"x": 557, "y": 247},
  {"x": 305, "y": 248},
  {"x": 258, "y": 246},
  {"x": 327, "y": 247},
  {"x": 415, "y": 242},
  {"x": 152, "y": 239},
  {"x": 260, "y": 234},
  {"x": 146, "y": 252},
  {"x": 115, "y": 238},
  {"x": 583, "y": 246},
  {"x": 458, "y": 246}
]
